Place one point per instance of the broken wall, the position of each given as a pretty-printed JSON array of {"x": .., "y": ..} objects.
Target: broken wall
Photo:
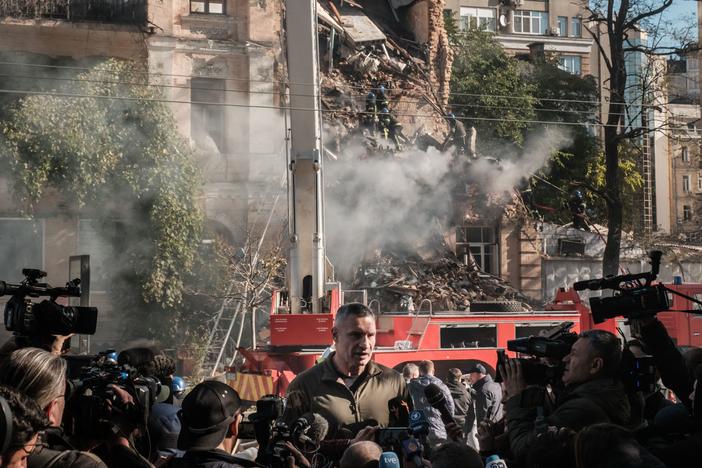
[{"x": 425, "y": 19}]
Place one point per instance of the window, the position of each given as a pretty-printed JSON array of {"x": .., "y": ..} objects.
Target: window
[
  {"x": 685, "y": 154},
  {"x": 480, "y": 243},
  {"x": 530, "y": 22},
  {"x": 699, "y": 183},
  {"x": 215, "y": 7},
  {"x": 687, "y": 212},
  {"x": 576, "y": 29},
  {"x": 21, "y": 246},
  {"x": 478, "y": 18},
  {"x": 525, "y": 330},
  {"x": 570, "y": 63},
  {"x": 207, "y": 122},
  {"x": 563, "y": 26},
  {"x": 481, "y": 335},
  {"x": 686, "y": 183}
]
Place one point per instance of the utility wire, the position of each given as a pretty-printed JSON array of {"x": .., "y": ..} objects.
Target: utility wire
[
  {"x": 255, "y": 106},
  {"x": 355, "y": 98},
  {"x": 283, "y": 82}
]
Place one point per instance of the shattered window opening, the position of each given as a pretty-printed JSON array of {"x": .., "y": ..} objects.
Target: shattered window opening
[
  {"x": 480, "y": 242},
  {"x": 687, "y": 213},
  {"x": 686, "y": 183}
]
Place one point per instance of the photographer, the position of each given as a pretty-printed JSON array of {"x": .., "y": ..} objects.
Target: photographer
[
  {"x": 41, "y": 376},
  {"x": 27, "y": 421},
  {"x": 593, "y": 394}
]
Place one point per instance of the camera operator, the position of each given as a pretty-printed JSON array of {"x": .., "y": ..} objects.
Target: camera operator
[
  {"x": 677, "y": 442},
  {"x": 675, "y": 374},
  {"x": 348, "y": 388},
  {"x": 210, "y": 419},
  {"x": 593, "y": 394},
  {"x": 26, "y": 421},
  {"x": 41, "y": 376}
]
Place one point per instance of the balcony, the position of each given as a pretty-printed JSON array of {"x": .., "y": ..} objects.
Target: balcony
[{"x": 106, "y": 11}]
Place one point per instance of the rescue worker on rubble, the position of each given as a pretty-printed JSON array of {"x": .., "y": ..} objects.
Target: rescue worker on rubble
[
  {"x": 382, "y": 97},
  {"x": 457, "y": 136},
  {"x": 371, "y": 116},
  {"x": 391, "y": 128},
  {"x": 577, "y": 207}
]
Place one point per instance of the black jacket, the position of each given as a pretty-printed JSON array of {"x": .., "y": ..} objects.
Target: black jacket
[
  {"x": 57, "y": 452},
  {"x": 669, "y": 361},
  {"x": 464, "y": 411},
  {"x": 488, "y": 400},
  {"x": 214, "y": 458},
  {"x": 596, "y": 401}
]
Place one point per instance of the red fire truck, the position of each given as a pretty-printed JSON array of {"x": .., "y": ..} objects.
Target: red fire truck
[{"x": 301, "y": 318}]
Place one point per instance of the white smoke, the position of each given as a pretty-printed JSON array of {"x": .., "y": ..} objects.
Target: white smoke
[{"x": 375, "y": 201}]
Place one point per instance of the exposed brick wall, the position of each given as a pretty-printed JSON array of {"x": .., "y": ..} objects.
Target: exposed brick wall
[{"x": 427, "y": 18}]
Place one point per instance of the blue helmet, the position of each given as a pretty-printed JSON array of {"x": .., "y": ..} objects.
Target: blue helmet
[
  {"x": 381, "y": 90},
  {"x": 111, "y": 357},
  {"x": 178, "y": 386},
  {"x": 384, "y": 110},
  {"x": 577, "y": 194},
  {"x": 370, "y": 96}
]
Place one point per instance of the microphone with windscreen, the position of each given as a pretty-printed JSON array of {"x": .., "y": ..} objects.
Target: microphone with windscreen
[
  {"x": 310, "y": 429},
  {"x": 437, "y": 400},
  {"x": 389, "y": 460}
]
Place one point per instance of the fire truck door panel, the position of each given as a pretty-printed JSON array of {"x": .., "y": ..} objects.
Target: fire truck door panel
[{"x": 696, "y": 331}]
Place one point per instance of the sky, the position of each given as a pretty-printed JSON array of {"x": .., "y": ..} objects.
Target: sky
[{"x": 682, "y": 10}]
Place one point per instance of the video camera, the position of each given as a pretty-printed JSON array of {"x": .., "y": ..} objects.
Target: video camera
[
  {"x": 633, "y": 299},
  {"x": 547, "y": 351},
  {"x": 27, "y": 318},
  {"x": 272, "y": 433},
  {"x": 93, "y": 403}
]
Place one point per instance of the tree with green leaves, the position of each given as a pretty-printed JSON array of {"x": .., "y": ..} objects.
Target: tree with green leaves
[
  {"x": 487, "y": 88},
  {"x": 110, "y": 149},
  {"x": 571, "y": 101}
]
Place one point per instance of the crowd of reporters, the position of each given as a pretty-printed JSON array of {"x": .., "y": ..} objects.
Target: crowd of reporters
[{"x": 127, "y": 412}]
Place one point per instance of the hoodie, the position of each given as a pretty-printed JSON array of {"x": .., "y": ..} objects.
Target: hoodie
[{"x": 419, "y": 402}]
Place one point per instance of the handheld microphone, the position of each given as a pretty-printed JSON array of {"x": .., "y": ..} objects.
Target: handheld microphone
[{"x": 389, "y": 460}]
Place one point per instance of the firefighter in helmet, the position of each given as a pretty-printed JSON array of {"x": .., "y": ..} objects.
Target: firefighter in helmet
[
  {"x": 577, "y": 208},
  {"x": 391, "y": 128},
  {"x": 457, "y": 136},
  {"x": 371, "y": 115}
]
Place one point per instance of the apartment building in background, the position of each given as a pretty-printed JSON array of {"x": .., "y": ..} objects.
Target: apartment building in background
[
  {"x": 216, "y": 60},
  {"x": 526, "y": 27}
]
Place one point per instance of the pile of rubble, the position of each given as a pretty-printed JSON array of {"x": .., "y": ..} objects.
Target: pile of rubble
[
  {"x": 366, "y": 43},
  {"x": 406, "y": 282}
]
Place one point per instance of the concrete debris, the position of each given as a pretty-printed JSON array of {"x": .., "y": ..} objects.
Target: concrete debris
[{"x": 400, "y": 281}]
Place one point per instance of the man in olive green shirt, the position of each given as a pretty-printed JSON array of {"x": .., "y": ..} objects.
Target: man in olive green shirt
[{"x": 347, "y": 388}]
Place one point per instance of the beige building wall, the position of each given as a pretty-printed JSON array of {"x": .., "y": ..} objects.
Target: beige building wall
[
  {"x": 686, "y": 170},
  {"x": 238, "y": 50}
]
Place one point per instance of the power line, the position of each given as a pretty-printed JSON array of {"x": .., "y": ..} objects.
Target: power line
[
  {"x": 255, "y": 106},
  {"x": 357, "y": 97},
  {"x": 283, "y": 82}
]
